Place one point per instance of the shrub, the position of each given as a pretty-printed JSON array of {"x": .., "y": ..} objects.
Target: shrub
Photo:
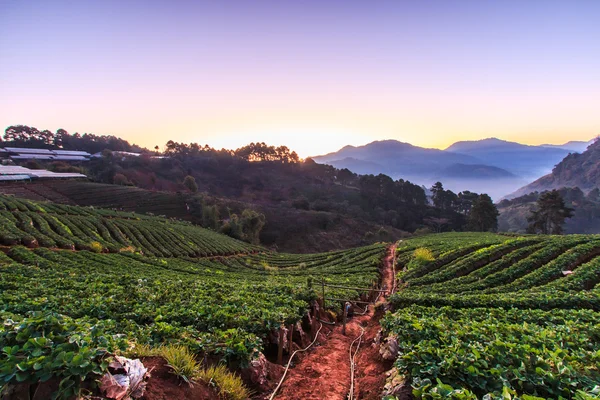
[
  {"x": 423, "y": 255},
  {"x": 190, "y": 183},
  {"x": 96, "y": 247}
]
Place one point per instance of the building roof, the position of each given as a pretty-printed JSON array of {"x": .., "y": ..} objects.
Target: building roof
[
  {"x": 70, "y": 158},
  {"x": 4, "y": 178},
  {"x": 13, "y": 169},
  {"x": 22, "y": 150},
  {"x": 71, "y": 153},
  {"x": 6, "y": 171},
  {"x": 33, "y": 157},
  {"x": 42, "y": 173}
]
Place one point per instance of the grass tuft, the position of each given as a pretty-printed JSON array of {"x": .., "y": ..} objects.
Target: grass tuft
[
  {"x": 230, "y": 385},
  {"x": 181, "y": 360}
]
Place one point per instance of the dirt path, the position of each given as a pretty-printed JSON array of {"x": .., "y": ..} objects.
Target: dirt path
[{"x": 324, "y": 373}]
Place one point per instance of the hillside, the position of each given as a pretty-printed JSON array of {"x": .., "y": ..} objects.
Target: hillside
[
  {"x": 574, "y": 146},
  {"x": 575, "y": 170},
  {"x": 286, "y": 228},
  {"x": 483, "y": 315},
  {"x": 586, "y": 219},
  {"x": 138, "y": 282},
  {"x": 133, "y": 280}
]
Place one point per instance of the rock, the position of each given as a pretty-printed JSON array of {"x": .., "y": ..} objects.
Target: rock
[
  {"x": 389, "y": 349},
  {"x": 261, "y": 372},
  {"x": 394, "y": 384}
]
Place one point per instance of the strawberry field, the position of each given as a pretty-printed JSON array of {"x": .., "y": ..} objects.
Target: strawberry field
[
  {"x": 53, "y": 225},
  {"x": 499, "y": 317}
]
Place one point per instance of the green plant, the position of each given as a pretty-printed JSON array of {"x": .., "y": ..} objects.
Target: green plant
[
  {"x": 47, "y": 345},
  {"x": 181, "y": 360},
  {"x": 229, "y": 384},
  {"x": 96, "y": 247}
]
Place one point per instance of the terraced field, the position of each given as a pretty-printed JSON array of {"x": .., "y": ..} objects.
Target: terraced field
[
  {"x": 148, "y": 281},
  {"x": 497, "y": 316},
  {"x": 53, "y": 225}
]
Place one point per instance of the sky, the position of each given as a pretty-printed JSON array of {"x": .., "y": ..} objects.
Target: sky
[{"x": 312, "y": 75}]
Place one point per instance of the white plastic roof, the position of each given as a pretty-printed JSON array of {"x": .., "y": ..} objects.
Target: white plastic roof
[
  {"x": 71, "y": 153},
  {"x": 14, "y": 177},
  {"x": 34, "y": 157},
  {"x": 27, "y": 151}
]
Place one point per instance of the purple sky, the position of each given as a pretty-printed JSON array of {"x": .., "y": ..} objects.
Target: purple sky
[{"x": 315, "y": 75}]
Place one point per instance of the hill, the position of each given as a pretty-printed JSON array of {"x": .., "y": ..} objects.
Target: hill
[
  {"x": 480, "y": 305},
  {"x": 528, "y": 162},
  {"x": 95, "y": 281},
  {"x": 394, "y": 158},
  {"x": 575, "y": 170},
  {"x": 285, "y": 228},
  {"x": 574, "y": 146},
  {"x": 473, "y": 171},
  {"x": 514, "y": 212},
  {"x": 493, "y": 166}
]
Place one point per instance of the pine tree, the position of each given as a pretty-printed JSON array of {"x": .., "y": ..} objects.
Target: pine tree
[
  {"x": 550, "y": 215},
  {"x": 484, "y": 214}
]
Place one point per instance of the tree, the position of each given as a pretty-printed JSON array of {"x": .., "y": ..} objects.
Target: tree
[
  {"x": 484, "y": 214},
  {"x": 120, "y": 179},
  {"x": 465, "y": 201},
  {"x": 190, "y": 183},
  {"x": 436, "y": 223},
  {"x": 437, "y": 194},
  {"x": 550, "y": 215}
]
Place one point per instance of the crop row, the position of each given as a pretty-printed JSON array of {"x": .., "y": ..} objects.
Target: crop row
[
  {"x": 50, "y": 225},
  {"x": 473, "y": 353},
  {"x": 223, "y": 306}
]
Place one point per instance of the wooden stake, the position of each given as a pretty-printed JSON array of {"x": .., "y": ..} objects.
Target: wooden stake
[
  {"x": 280, "y": 349},
  {"x": 291, "y": 338},
  {"x": 345, "y": 316},
  {"x": 323, "y": 289}
]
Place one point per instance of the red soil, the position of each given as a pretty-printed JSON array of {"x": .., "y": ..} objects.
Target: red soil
[{"x": 324, "y": 373}]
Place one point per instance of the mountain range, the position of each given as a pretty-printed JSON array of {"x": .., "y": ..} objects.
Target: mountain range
[
  {"x": 493, "y": 166},
  {"x": 580, "y": 170}
]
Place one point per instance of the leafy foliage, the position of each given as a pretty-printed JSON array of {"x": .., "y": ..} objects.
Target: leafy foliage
[
  {"x": 511, "y": 318},
  {"x": 45, "y": 345}
]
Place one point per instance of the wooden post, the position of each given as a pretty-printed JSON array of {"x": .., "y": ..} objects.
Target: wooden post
[
  {"x": 313, "y": 325},
  {"x": 345, "y": 316},
  {"x": 291, "y": 339},
  {"x": 280, "y": 349},
  {"x": 323, "y": 289}
]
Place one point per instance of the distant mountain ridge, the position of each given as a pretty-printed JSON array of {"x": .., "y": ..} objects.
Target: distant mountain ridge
[
  {"x": 574, "y": 145},
  {"x": 529, "y": 162},
  {"x": 490, "y": 165},
  {"x": 580, "y": 170}
]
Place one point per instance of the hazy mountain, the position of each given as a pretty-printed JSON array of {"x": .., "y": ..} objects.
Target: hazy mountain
[
  {"x": 394, "y": 158},
  {"x": 424, "y": 166},
  {"x": 473, "y": 171},
  {"x": 573, "y": 146},
  {"x": 528, "y": 162},
  {"x": 575, "y": 170}
]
